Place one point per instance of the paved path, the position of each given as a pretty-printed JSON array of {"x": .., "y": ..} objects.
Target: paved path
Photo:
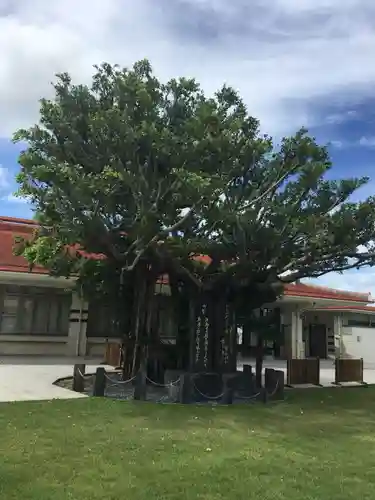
[{"x": 31, "y": 379}]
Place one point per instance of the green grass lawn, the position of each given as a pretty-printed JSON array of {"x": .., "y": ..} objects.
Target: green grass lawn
[{"x": 319, "y": 444}]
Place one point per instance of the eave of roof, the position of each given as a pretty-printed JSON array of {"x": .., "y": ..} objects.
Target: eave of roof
[{"x": 351, "y": 308}]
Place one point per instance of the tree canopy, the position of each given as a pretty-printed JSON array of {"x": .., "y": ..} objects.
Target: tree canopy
[
  {"x": 139, "y": 170},
  {"x": 154, "y": 178}
]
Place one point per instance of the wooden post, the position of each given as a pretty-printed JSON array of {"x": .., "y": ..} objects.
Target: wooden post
[
  {"x": 288, "y": 374},
  {"x": 263, "y": 394},
  {"x": 269, "y": 379},
  {"x": 274, "y": 383},
  {"x": 227, "y": 398},
  {"x": 185, "y": 388},
  {"x": 247, "y": 381},
  {"x": 277, "y": 390},
  {"x": 247, "y": 370},
  {"x": 107, "y": 352},
  {"x": 317, "y": 372},
  {"x": 140, "y": 387},
  {"x": 100, "y": 382},
  {"x": 337, "y": 372},
  {"x": 349, "y": 370},
  {"x": 79, "y": 378}
]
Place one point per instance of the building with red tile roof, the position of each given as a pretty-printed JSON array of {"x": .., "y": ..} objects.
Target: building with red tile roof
[
  {"x": 12, "y": 227},
  {"x": 338, "y": 310}
]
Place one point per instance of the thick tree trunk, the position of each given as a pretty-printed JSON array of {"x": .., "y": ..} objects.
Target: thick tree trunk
[
  {"x": 125, "y": 308},
  {"x": 141, "y": 320},
  {"x": 180, "y": 311}
]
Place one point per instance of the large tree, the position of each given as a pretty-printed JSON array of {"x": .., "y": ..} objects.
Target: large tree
[{"x": 152, "y": 176}]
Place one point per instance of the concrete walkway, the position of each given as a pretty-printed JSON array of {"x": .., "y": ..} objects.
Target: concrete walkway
[{"x": 32, "y": 378}]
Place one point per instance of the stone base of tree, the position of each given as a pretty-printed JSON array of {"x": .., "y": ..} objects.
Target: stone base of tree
[{"x": 189, "y": 388}]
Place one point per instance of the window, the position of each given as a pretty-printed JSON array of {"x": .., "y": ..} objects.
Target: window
[
  {"x": 32, "y": 310},
  {"x": 361, "y": 320}
]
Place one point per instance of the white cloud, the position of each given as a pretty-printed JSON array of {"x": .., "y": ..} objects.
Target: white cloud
[
  {"x": 363, "y": 248},
  {"x": 368, "y": 142},
  {"x": 338, "y": 144},
  {"x": 12, "y": 198},
  {"x": 338, "y": 118},
  {"x": 4, "y": 178},
  {"x": 6, "y": 185},
  {"x": 362, "y": 280},
  {"x": 365, "y": 142},
  {"x": 281, "y": 54}
]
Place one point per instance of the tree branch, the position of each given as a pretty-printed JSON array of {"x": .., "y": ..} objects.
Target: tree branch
[
  {"x": 179, "y": 268},
  {"x": 178, "y": 224},
  {"x": 310, "y": 273},
  {"x": 273, "y": 186},
  {"x": 361, "y": 257}
]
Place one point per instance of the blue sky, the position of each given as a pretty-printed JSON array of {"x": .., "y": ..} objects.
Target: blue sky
[{"x": 295, "y": 63}]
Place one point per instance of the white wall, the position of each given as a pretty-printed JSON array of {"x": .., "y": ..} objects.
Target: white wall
[
  {"x": 286, "y": 321},
  {"x": 358, "y": 342},
  {"x": 33, "y": 346},
  {"x": 77, "y": 326},
  {"x": 293, "y": 341}
]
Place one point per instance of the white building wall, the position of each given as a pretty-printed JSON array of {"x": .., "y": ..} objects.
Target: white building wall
[
  {"x": 358, "y": 342},
  {"x": 286, "y": 322},
  {"x": 298, "y": 347},
  {"x": 336, "y": 334},
  {"x": 76, "y": 345},
  {"x": 27, "y": 345},
  {"x": 293, "y": 333}
]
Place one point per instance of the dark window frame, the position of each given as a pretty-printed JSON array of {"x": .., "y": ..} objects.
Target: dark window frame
[
  {"x": 39, "y": 298},
  {"x": 360, "y": 323},
  {"x": 359, "y": 319}
]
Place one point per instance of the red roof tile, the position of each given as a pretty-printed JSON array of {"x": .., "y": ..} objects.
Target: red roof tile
[
  {"x": 322, "y": 292},
  {"x": 9, "y": 228}
]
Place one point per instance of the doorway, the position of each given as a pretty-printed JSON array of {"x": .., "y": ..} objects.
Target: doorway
[{"x": 318, "y": 341}]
